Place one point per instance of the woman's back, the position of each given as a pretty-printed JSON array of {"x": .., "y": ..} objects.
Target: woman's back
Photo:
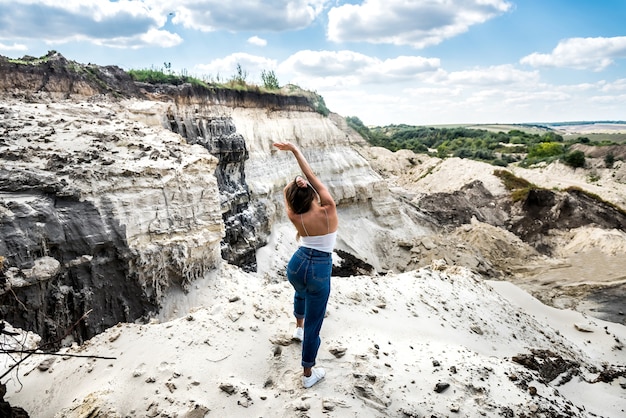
[{"x": 318, "y": 220}]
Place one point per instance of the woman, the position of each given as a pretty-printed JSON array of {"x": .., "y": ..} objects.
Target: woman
[{"x": 312, "y": 210}]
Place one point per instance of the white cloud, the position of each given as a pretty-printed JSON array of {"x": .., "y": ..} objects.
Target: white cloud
[
  {"x": 581, "y": 53},
  {"x": 349, "y": 67},
  {"x": 14, "y": 47},
  {"x": 495, "y": 75},
  {"x": 161, "y": 38},
  {"x": 122, "y": 23},
  {"x": 498, "y": 94},
  {"x": 269, "y": 15},
  {"x": 255, "y": 40},
  {"x": 402, "y": 22},
  {"x": 617, "y": 85}
]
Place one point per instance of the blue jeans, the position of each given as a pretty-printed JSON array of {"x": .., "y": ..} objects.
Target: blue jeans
[{"x": 309, "y": 273}]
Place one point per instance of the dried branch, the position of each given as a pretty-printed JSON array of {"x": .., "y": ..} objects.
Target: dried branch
[{"x": 53, "y": 343}]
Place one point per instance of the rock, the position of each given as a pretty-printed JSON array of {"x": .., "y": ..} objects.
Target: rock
[
  {"x": 46, "y": 364},
  {"x": 476, "y": 329},
  {"x": 582, "y": 328},
  {"x": 428, "y": 243},
  {"x": 338, "y": 351},
  {"x": 228, "y": 388},
  {"x": 441, "y": 386},
  {"x": 277, "y": 351},
  {"x": 301, "y": 406},
  {"x": 197, "y": 411}
]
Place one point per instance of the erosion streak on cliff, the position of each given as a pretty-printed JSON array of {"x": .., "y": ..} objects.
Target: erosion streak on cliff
[{"x": 246, "y": 225}]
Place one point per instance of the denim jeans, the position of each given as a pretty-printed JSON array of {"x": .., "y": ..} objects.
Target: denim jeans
[{"x": 309, "y": 273}]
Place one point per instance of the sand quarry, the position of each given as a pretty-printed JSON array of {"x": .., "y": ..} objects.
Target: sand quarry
[{"x": 438, "y": 341}]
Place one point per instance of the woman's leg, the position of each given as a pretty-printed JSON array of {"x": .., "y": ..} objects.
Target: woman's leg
[
  {"x": 299, "y": 307},
  {"x": 296, "y": 270},
  {"x": 317, "y": 294}
]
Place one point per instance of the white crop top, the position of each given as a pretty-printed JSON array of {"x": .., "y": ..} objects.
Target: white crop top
[{"x": 324, "y": 243}]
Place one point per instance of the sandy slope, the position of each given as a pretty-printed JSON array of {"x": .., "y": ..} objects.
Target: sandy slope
[
  {"x": 585, "y": 260},
  {"x": 387, "y": 342}
]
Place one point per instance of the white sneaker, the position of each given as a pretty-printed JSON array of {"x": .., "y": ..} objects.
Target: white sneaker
[
  {"x": 298, "y": 334},
  {"x": 317, "y": 374}
]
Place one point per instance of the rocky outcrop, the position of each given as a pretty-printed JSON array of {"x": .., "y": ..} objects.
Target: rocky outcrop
[
  {"x": 544, "y": 211},
  {"x": 251, "y": 173},
  {"x": 459, "y": 207},
  {"x": 246, "y": 223},
  {"x": 54, "y": 74}
]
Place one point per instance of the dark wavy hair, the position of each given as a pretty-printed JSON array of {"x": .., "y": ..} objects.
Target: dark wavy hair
[{"x": 299, "y": 198}]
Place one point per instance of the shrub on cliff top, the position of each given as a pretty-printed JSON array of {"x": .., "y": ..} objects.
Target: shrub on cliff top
[
  {"x": 270, "y": 81},
  {"x": 158, "y": 76}
]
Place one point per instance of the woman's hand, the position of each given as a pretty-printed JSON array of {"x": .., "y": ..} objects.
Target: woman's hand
[{"x": 285, "y": 146}]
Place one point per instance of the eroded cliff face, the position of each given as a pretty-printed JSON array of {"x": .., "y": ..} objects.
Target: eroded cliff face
[
  {"x": 372, "y": 220},
  {"x": 106, "y": 207},
  {"x": 239, "y": 130},
  {"x": 246, "y": 223},
  {"x": 99, "y": 214}
]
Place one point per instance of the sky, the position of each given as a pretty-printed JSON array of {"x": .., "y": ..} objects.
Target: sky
[{"x": 418, "y": 62}]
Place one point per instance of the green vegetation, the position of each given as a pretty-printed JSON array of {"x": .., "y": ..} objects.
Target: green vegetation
[
  {"x": 518, "y": 186},
  {"x": 26, "y": 60},
  {"x": 609, "y": 160},
  {"x": 270, "y": 81},
  {"x": 238, "y": 81},
  {"x": 545, "y": 150},
  {"x": 526, "y": 146},
  {"x": 320, "y": 105},
  {"x": 575, "y": 159},
  {"x": 164, "y": 76}
]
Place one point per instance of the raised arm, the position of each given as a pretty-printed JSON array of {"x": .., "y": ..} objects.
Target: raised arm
[{"x": 325, "y": 198}]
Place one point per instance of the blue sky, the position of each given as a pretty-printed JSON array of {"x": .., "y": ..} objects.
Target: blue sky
[{"x": 385, "y": 61}]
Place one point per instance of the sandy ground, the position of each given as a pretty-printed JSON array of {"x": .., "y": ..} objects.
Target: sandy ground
[{"x": 387, "y": 343}]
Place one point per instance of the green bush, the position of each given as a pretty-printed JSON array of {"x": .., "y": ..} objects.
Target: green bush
[
  {"x": 270, "y": 81},
  {"x": 240, "y": 76},
  {"x": 154, "y": 76},
  {"x": 545, "y": 150},
  {"x": 575, "y": 159}
]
